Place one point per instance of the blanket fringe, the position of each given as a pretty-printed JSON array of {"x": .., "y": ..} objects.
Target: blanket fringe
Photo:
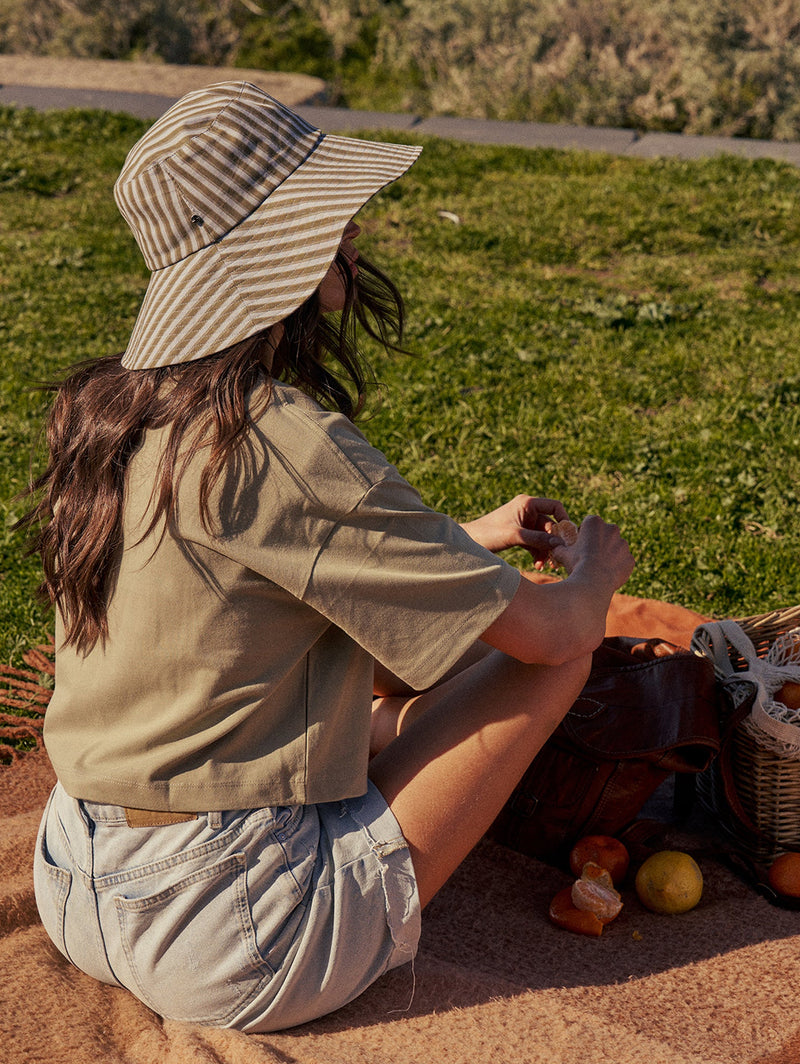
[{"x": 26, "y": 692}]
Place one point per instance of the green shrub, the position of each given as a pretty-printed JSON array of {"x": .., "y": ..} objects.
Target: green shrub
[
  {"x": 721, "y": 67},
  {"x": 696, "y": 66},
  {"x": 190, "y": 31}
]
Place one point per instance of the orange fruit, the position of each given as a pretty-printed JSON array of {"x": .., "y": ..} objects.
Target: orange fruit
[
  {"x": 567, "y": 530},
  {"x": 669, "y": 882},
  {"x": 564, "y": 913},
  {"x": 604, "y": 850},
  {"x": 594, "y": 892},
  {"x": 784, "y": 875},
  {"x": 789, "y": 695}
]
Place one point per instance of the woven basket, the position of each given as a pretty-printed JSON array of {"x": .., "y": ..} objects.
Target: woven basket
[{"x": 766, "y": 782}]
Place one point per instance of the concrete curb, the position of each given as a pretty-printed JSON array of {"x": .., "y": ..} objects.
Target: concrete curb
[
  {"x": 46, "y": 98},
  {"x": 477, "y": 131}
]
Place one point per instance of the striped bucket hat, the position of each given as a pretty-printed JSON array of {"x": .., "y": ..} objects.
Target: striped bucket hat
[{"x": 238, "y": 206}]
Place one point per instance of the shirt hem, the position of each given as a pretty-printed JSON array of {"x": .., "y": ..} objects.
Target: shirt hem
[{"x": 175, "y": 799}]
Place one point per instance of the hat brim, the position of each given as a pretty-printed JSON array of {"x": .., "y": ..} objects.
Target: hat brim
[{"x": 268, "y": 264}]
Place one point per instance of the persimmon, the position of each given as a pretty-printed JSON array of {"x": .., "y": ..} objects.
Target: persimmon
[
  {"x": 784, "y": 875},
  {"x": 565, "y": 913},
  {"x": 603, "y": 850}
]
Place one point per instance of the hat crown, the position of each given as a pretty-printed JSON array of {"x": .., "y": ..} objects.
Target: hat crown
[{"x": 207, "y": 164}]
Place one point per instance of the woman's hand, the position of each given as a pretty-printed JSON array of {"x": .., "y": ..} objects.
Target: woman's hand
[
  {"x": 598, "y": 550},
  {"x": 554, "y": 622},
  {"x": 522, "y": 522}
]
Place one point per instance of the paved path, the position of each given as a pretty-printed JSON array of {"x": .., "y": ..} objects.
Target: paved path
[{"x": 46, "y": 94}]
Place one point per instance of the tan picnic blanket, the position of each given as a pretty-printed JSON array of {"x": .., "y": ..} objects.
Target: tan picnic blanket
[{"x": 493, "y": 981}]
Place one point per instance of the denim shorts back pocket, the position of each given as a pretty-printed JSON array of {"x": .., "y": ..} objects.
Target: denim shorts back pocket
[
  {"x": 192, "y": 947},
  {"x": 51, "y": 888}
]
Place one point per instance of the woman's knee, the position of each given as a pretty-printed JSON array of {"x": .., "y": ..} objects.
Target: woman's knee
[
  {"x": 574, "y": 675},
  {"x": 554, "y": 688},
  {"x": 580, "y": 669}
]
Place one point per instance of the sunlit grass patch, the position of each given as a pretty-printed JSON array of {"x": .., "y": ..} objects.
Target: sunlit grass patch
[{"x": 620, "y": 333}]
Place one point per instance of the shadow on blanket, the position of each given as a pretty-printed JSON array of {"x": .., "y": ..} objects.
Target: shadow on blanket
[{"x": 493, "y": 979}]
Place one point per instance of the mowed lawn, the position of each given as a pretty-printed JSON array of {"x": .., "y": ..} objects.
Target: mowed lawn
[{"x": 619, "y": 333}]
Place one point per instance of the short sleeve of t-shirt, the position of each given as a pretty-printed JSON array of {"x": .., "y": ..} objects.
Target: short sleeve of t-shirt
[
  {"x": 408, "y": 584},
  {"x": 335, "y": 524}
]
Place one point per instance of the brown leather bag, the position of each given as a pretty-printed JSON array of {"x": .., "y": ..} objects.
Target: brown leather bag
[{"x": 648, "y": 709}]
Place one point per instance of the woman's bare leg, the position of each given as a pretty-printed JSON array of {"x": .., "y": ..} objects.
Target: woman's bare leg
[
  {"x": 462, "y": 748},
  {"x": 394, "y": 699}
]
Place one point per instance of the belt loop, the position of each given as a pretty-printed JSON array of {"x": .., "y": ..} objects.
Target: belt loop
[{"x": 215, "y": 820}]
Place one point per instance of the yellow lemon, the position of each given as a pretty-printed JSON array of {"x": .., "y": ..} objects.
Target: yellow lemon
[{"x": 669, "y": 882}]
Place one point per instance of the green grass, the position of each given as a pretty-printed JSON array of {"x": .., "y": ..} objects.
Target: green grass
[{"x": 619, "y": 333}]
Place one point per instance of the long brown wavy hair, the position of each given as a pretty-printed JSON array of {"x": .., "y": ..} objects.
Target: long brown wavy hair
[{"x": 101, "y": 411}]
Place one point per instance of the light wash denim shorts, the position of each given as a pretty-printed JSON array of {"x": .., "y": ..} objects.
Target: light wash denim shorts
[{"x": 256, "y": 920}]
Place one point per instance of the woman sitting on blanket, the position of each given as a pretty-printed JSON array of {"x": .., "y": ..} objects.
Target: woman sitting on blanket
[{"x": 251, "y": 602}]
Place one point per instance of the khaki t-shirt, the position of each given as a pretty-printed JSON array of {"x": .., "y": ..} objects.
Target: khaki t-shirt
[{"x": 239, "y": 664}]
